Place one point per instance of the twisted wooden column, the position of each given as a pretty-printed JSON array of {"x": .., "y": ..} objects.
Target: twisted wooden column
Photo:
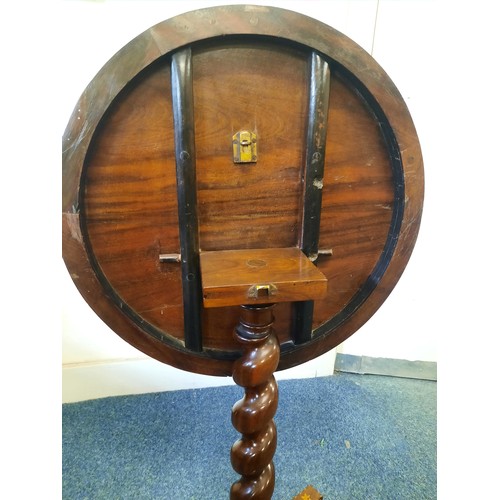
[
  {"x": 252, "y": 455},
  {"x": 264, "y": 277}
]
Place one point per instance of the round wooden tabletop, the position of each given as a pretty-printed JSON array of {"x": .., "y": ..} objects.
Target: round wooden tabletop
[{"x": 151, "y": 180}]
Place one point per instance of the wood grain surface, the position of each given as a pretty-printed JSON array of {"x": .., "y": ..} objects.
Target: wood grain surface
[
  {"x": 235, "y": 277},
  {"x": 120, "y": 194}
]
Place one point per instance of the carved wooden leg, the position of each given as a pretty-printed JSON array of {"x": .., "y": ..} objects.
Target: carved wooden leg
[{"x": 252, "y": 455}]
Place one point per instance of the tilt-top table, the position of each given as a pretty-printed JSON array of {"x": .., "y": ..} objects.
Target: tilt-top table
[{"x": 242, "y": 189}]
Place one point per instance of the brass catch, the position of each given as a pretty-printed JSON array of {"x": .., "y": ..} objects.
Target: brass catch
[
  {"x": 244, "y": 147},
  {"x": 262, "y": 291}
]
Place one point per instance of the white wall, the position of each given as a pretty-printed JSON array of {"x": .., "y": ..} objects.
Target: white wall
[{"x": 98, "y": 363}]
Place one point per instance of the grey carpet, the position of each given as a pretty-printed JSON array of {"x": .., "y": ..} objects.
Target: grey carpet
[{"x": 350, "y": 436}]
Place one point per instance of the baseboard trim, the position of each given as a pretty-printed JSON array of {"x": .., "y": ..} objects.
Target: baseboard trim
[
  {"x": 425, "y": 370},
  {"x": 119, "y": 377}
]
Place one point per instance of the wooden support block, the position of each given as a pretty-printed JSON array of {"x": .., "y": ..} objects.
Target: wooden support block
[
  {"x": 259, "y": 276},
  {"x": 309, "y": 494}
]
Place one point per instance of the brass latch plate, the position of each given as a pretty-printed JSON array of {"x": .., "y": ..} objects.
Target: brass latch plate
[{"x": 244, "y": 147}]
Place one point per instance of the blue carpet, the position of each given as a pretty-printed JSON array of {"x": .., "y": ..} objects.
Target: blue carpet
[{"x": 350, "y": 436}]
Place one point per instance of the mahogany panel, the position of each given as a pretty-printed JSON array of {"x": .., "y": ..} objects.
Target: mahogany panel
[
  {"x": 358, "y": 196},
  {"x": 260, "y": 87},
  {"x": 131, "y": 201}
]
